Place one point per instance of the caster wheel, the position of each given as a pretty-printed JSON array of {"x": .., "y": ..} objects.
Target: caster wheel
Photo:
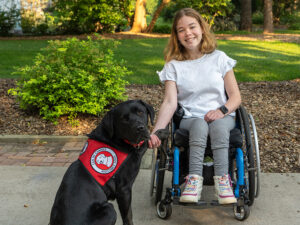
[
  {"x": 163, "y": 210},
  {"x": 241, "y": 212}
]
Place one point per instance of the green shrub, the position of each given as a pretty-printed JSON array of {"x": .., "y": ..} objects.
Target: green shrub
[
  {"x": 8, "y": 19},
  {"x": 294, "y": 26},
  {"x": 224, "y": 24},
  {"x": 71, "y": 77},
  {"x": 258, "y": 17},
  {"x": 163, "y": 29},
  {"x": 28, "y": 23}
]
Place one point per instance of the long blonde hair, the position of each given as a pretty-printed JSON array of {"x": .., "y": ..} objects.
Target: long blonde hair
[{"x": 175, "y": 50}]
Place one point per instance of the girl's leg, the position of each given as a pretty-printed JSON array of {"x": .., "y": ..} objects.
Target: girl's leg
[
  {"x": 219, "y": 132},
  {"x": 198, "y": 132}
]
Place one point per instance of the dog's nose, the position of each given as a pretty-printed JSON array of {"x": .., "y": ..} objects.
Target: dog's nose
[{"x": 141, "y": 128}]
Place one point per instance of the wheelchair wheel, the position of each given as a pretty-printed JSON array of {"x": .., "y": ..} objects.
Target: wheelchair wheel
[
  {"x": 249, "y": 156},
  {"x": 257, "y": 157},
  {"x": 160, "y": 172},
  {"x": 163, "y": 210},
  {"x": 241, "y": 212}
]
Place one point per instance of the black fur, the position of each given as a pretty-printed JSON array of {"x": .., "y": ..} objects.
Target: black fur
[{"x": 80, "y": 200}]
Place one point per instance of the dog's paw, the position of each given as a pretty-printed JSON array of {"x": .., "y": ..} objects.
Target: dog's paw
[{"x": 162, "y": 134}]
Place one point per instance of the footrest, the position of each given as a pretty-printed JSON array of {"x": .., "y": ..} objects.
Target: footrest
[{"x": 200, "y": 203}]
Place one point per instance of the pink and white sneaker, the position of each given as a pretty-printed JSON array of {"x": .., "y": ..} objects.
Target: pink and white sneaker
[
  {"x": 192, "y": 189},
  {"x": 224, "y": 189}
]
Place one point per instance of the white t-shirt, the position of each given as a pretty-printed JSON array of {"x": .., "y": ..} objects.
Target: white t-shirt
[{"x": 200, "y": 82}]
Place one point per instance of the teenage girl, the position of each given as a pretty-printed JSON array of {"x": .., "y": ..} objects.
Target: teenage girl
[{"x": 196, "y": 76}]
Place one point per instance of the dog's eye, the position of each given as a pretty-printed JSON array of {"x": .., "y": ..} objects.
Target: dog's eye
[{"x": 140, "y": 113}]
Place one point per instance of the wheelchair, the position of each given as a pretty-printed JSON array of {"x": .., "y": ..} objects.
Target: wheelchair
[{"x": 244, "y": 167}]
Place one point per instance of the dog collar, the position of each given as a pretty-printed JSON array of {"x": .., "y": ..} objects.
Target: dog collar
[{"x": 134, "y": 145}]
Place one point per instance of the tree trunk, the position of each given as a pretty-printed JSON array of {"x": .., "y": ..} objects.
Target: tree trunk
[
  {"x": 246, "y": 15},
  {"x": 268, "y": 16},
  {"x": 139, "y": 23},
  {"x": 156, "y": 15}
]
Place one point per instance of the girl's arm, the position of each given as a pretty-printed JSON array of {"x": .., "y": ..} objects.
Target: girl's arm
[
  {"x": 234, "y": 98},
  {"x": 166, "y": 112},
  {"x": 233, "y": 92}
]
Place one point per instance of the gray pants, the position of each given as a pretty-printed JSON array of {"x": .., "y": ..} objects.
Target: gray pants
[{"x": 219, "y": 132}]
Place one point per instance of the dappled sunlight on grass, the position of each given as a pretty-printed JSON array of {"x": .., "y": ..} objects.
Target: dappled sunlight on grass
[
  {"x": 157, "y": 61},
  {"x": 260, "y": 61},
  {"x": 256, "y": 60},
  {"x": 250, "y": 56},
  {"x": 285, "y": 62}
]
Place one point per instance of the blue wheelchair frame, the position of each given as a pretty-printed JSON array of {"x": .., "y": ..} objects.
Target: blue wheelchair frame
[{"x": 240, "y": 171}]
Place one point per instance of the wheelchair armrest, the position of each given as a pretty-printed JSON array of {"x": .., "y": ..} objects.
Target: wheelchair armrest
[
  {"x": 181, "y": 138},
  {"x": 178, "y": 115},
  {"x": 236, "y": 139},
  {"x": 162, "y": 134}
]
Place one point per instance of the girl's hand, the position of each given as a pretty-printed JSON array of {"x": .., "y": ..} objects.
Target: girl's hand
[
  {"x": 213, "y": 115},
  {"x": 154, "y": 141}
]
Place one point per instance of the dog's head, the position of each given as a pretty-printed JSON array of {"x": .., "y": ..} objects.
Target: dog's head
[{"x": 128, "y": 121}]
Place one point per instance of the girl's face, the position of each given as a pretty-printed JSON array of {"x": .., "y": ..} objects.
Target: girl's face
[{"x": 189, "y": 33}]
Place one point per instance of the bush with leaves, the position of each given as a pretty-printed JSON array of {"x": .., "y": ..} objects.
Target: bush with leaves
[
  {"x": 71, "y": 77},
  {"x": 8, "y": 19},
  {"x": 209, "y": 9},
  {"x": 85, "y": 16}
]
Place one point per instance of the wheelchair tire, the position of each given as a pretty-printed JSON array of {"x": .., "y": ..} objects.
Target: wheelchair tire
[
  {"x": 250, "y": 166},
  {"x": 160, "y": 173},
  {"x": 241, "y": 212},
  {"x": 163, "y": 210}
]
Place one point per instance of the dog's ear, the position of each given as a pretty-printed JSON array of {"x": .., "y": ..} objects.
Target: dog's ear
[
  {"x": 108, "y": 123},
  {"x": 150, "y": 111}
]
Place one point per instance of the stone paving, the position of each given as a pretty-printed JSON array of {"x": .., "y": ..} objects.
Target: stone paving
[{"x": 40, "y": 152}]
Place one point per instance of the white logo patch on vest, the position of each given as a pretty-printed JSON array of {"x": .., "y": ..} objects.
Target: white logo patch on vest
[{"x": 104, "y": 160}]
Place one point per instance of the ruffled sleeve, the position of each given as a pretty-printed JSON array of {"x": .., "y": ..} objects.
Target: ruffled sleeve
[
  {"x": 226, "y": 64},
  {"x": 168, "y": 73}
]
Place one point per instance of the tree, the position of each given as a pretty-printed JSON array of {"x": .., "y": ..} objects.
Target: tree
[
  {"x": 139, "y": 23},
  {"x": 246, "y": 15},
  {"x": 156, "y": 14},
  {"x": 268, "y": 16}
]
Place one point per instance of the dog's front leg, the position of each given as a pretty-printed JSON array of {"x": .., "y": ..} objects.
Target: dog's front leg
[{"x": 124, "y": 203}]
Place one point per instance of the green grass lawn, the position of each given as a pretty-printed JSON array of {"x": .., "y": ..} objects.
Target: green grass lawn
[
  {"x": 14, "y": 53},
  {"x": 257, "y": 60}
]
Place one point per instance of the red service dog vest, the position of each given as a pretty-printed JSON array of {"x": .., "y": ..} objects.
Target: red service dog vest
[{"x": 101, "y": 160}]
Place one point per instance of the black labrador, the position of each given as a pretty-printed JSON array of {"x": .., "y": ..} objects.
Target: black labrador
[{"x": 106, "y": 169}]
